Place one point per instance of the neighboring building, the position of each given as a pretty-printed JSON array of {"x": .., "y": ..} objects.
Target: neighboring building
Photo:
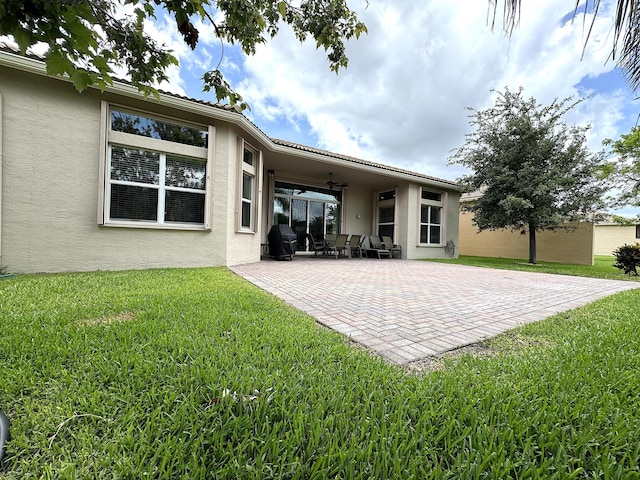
[
  {"x": 573, "y": 244},
  {"x": 114, "y": 180},
  {"x": 610, "y": 235}
]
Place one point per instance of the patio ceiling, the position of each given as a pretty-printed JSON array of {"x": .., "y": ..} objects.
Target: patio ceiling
[
  {"x": 306, "y": 162},
  {"x": 318, "y": 170}
]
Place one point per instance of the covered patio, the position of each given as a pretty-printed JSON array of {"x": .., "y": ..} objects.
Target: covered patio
[
  {"x": 407, "y": 310},
  {"x": 321, "y": 194}
]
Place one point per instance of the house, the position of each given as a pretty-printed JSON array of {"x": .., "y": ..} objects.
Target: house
[
  {"x": 113, "y": 180},
  {"x": 609, "y": 235},
  {"x": 574, "y": 243}
]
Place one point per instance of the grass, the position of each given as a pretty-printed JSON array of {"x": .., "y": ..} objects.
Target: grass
[
  {"x": 602, "y": 266},
  {"x": 193, "y": 373}
]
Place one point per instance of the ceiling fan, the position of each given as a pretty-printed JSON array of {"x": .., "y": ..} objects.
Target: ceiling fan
[{"x": 332, "y": 184}]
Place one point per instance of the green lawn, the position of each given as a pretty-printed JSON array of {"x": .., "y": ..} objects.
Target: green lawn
[
  {"x": 194, "y": 373},
  {"x": 602, "y": 266}
]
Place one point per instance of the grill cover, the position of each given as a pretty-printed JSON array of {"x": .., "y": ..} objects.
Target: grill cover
[{"x": 282, "y": 242}]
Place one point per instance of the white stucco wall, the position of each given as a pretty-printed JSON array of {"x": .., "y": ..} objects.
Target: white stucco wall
[{"x": 50, "y": 160}]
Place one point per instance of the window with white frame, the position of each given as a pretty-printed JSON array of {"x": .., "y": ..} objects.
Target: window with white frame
[
  {"x": 430, "y": 217},
  {"x": 156, "y": 171},
  {"x": 248, "y": 188}
]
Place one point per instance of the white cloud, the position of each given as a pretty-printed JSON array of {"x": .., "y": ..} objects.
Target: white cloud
[
  {"x": 164, "y": 32},
  {"x": 403, "y": 98}
]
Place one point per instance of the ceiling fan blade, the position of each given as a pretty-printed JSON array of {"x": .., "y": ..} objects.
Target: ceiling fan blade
[{"x": 332, "y": 184}]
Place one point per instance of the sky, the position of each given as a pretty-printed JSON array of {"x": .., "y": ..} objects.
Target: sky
[{"x": 404, "y": 98}]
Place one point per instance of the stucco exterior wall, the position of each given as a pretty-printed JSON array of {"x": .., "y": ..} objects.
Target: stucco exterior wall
[
  {"x": 242, "y": 247},
  {"x": 574, "y": 245},
  {"x": 449, "y": 231},
  {"x": 51, "y": 138},
  {"x": 609, "y": 237},
  {"x": 403, "y": 221},
  {"x": 358, "y": 210}
]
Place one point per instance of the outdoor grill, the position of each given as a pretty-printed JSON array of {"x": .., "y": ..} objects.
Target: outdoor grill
[
  {"x": 4, "y": 434},
  {"x": 282, "y": 242}
]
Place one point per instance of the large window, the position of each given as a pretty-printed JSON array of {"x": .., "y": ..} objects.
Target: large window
[
  {"x": 430, "y": 217},
  {"x": 156, "y": 172},
  {"x": 248, "y": 188}
]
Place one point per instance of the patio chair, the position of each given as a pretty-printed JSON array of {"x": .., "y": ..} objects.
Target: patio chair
[
  {"x": 341, "y": 246},
  {"x": 315, "y": 246},
  {"x": 356, "y": 245},
  {"x": 330, "y": 239},
  {"x": 377, "y": 248},
  {"x": 393, "y": 248}
]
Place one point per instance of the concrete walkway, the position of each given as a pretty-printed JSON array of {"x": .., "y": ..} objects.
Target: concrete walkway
[{"x": 407, "y": 310}]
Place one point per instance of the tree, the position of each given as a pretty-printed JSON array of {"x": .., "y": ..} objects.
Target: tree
[
  {"x": 532, "y": 170},
  {"x": 89, "y": 39},
  {"x": 625, "y": 171},
  {"x": 626, "y": 31}
]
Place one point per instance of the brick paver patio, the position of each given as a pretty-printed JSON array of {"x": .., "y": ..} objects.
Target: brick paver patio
[{"x": 407, "y": 310}]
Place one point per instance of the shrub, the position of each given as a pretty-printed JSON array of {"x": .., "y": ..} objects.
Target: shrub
[{"x": 627, "y": 258}]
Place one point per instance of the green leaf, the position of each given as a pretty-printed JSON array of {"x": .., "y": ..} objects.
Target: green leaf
[
  {"x": 81, "y": 79},
  {"x": 58, "y": 64},
  {"x": 360, "y": 29},
  {"x": 282, "y": 7},
  {"x": 151, "y": 13},
  {"x": 24, "y": 38},
  {"x": 83, "y": 37}
]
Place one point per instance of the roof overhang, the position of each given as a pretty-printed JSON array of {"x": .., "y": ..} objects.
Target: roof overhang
[{"x": 310, "y": 162}]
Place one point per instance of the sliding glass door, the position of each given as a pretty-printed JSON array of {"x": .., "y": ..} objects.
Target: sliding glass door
[
  {"x": 317, "y": 219},
  {"x": 307, "y": 210},
  {"x": 299, "y": 221}
]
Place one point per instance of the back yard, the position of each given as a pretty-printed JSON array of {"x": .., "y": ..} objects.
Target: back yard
[{"x": 195, "y": 373}]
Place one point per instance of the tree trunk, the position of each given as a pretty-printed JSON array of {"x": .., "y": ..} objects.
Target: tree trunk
[{"x": 532, "y": 244}]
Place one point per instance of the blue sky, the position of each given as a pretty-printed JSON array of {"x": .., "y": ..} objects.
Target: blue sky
[{"x": 403, "y": 99}]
